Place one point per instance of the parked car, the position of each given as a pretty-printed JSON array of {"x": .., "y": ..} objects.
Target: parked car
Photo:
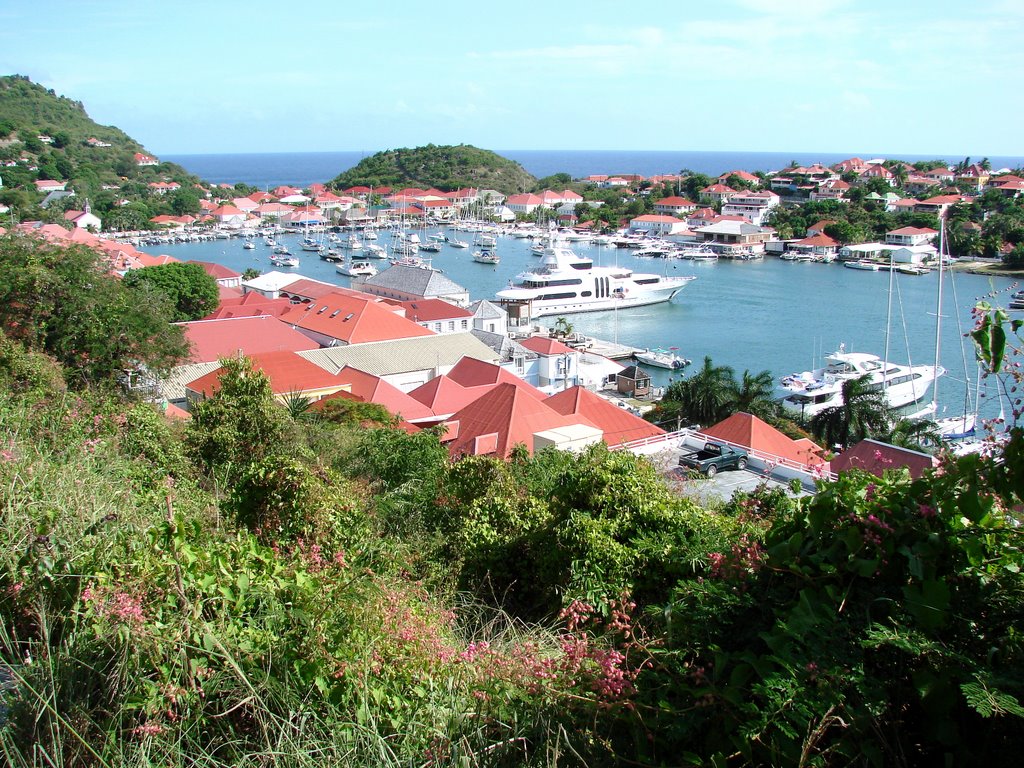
[{"x": 713, "y": 458}]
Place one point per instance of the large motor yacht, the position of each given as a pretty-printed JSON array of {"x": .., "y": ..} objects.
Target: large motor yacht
[{"x": 566, "y": 283}]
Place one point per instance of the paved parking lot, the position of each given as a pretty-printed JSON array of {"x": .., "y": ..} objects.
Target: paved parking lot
[{"x": 723, "y": 485}]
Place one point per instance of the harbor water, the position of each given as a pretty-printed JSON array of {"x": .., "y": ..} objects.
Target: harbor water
[{"x": 757, "y": 315}]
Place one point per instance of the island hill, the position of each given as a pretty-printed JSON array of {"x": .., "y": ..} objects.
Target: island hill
[{"x": 441, "y": 167}]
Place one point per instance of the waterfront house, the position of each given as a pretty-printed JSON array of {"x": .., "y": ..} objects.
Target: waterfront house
[
  {"x": 617, "y": 424},
  {"x": 144, "y": 160},
  {"x": 658, "y": 225},
  {"x": 732, "y": 236},
  {"x": 489, "y": 317},
  {"x": 910, "y": 236},
  {"x": 1008, "y": 185},
  {"x": 864, "y": 252},
  {"x": 674, "y": 206},
  {"x": 524, "y": 204},
  {"x": 940, "y": 175},
  {"x": 229, "y": 216},
  {"x": 820, "y": 247},
  {"x": 914, "y": 254},
  {"x": 163, "y": 187}
]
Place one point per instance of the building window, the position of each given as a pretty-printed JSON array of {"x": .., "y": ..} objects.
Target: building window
[
  {"x": 437, "y": 327},
  {"x": 520, "y": 362},
  {"x": 451, "y": 325},
  {"x": 465, "y": 324}
]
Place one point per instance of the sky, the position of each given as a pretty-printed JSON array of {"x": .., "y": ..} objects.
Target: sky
[{"x": 941, "y": 77}]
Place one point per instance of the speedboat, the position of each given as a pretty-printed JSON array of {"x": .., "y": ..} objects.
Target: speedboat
[
  {"x": 457, "y": 243},
  {"x": 249, "y": 245},
  {"x": 870, "y": 266},
  {"x": 661, "y": 358},
  {"x": 565, "y": 283},
  {"x": 282, "y": 260},
  {"x": 810, "y": 392},
  {"x": 374, "y": 251}
]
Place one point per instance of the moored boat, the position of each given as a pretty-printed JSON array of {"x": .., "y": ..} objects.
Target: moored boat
[
  {"x": 661, "y": 358},
  {"x": 566, "y": 283}
]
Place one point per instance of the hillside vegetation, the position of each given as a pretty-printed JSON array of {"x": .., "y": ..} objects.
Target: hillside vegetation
[
  {"x": 27, "y": 111},
  {"x": 286, "y": 586},
  {"x": 443, "y": 167}
]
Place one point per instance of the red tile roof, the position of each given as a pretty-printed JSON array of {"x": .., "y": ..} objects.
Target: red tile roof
[
  {"x": 470, "y": 372},
  {"x": 753, "y": 433},
  {"x": 875, "y": 457},
  {"x": 352, "y": 319},
  {"x": 425, "y": 310},
  {"x": 444, "y": 396},
  {"x": 618, "y": 424},
  {"x": 287, "y": 371},
  {"x": 503, "y": 418},
  {"x": 216, "y": 271},
  {"x": 544, "y": 345},
  {"x": 374, "y": 389},
  {"x": 211, "y": 340}
]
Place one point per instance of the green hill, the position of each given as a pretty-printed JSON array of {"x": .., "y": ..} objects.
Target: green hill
[
  {"x": 28, "y": 111},
  {"x": 444, "y": 167}
]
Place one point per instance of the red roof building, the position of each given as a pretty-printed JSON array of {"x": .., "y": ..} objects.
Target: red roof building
[
  {"x": 373, "y": 389},
  {"x": 875, "y": 457},
  {"x": 508, "y": 416},
  {"x": 211, "y": 340},
  {"x": 339, "y": 318},
  {"x": 617, "y": 424},
  {"x": 758, "y": 436},
  {"x": 289, "y": 375}
]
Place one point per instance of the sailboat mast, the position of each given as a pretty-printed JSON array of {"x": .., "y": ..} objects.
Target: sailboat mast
[
  {"x": 888, "y": 323},
  {"x": 938, "y": 313}
]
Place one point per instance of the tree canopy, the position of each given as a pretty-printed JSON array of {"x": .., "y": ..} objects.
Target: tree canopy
[{"x": 189, "y": 289}]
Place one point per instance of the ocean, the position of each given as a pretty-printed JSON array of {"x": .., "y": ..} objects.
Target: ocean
[{"x": 304, "y": 168}]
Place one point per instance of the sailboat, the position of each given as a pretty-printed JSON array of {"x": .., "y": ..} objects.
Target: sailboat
[{"x": 963, "y": 426}]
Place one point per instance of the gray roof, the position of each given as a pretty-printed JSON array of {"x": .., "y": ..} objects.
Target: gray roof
[
  {"x": 386, "y": 358},
  {"x": 502, "y": 345},
  {"x": 59, "y": 194},
  {"x": 414, "y": 280},
  {"x": 485, "y": 309}
]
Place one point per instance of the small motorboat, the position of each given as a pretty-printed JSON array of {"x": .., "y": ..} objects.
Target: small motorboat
[{"x": 661, "y": 358}]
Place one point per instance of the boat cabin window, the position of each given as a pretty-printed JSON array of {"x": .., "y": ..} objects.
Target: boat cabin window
[
  {"x": 586, "y": 294},
  {"x": 550, "y": 296},
  {"x": 646, "y": 280}
]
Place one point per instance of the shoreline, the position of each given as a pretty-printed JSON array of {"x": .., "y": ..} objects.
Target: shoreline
[{"x": 993, "y": 269}]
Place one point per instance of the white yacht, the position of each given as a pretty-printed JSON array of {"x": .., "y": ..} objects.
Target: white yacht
[
  {"x": 810, "y": 392},
  {"x": 565, "y": 283}
]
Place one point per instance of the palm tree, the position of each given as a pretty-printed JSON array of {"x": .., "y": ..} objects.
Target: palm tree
[
  {"x": 916, "y": 434},
  {"x": 754, "y": 393},
  {"x": 864, "y": 412},
  {"x": 706, "y": 395}
]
